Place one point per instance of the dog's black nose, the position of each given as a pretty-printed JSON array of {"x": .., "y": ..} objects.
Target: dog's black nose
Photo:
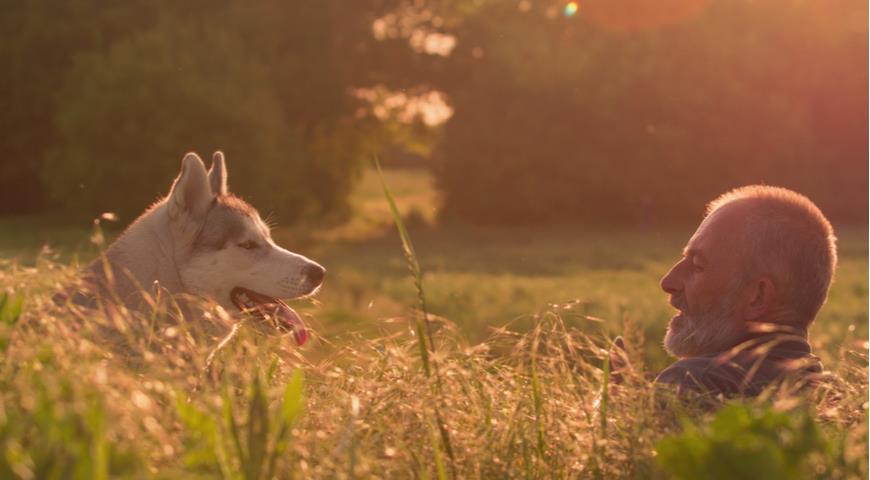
[{"x": 314, "y": 274}]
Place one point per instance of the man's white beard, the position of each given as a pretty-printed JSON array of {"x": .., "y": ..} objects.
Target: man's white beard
[{"x": 712, "y": 331}]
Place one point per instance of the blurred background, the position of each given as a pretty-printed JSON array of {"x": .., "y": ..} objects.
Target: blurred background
[
  {"x": 546, "y": 151},
  {"x": 603, "y": 111}
]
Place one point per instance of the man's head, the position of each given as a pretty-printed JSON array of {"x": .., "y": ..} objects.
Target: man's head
[{"x": 762, "y": 255}]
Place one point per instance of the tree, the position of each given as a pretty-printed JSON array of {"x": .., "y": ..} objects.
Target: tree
[
  {"x": 105, "y": 101},
  {"x": 40, "y": 37},
  {"x": 567, "y": 119},
  {"x": 129, "y": 115}
]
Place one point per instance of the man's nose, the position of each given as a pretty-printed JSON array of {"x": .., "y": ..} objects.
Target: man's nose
[{"x": 670, "y": 283}]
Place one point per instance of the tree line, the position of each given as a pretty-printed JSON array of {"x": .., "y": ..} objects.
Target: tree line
[
  {"x": 625, "y": 111},
  {"x": 610, "y": 117}
]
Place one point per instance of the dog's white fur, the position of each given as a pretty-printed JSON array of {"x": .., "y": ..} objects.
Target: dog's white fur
[{"x": 203, "y": 241}]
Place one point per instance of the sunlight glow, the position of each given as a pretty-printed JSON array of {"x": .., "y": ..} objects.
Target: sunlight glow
[
  {"x": 641, "y": 15},
  {"x": 429, "y": 107},
  {"x": 571, "y": 9}
]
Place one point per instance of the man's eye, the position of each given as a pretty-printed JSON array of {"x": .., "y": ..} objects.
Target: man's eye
[{"x": 249, "y": 245}]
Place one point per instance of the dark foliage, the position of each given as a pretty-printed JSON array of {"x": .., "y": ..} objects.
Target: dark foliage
[
  {"x": 629, "y": 111},
  {"x": 588, "y": 119},
  {"x": 102, "y": 101}
]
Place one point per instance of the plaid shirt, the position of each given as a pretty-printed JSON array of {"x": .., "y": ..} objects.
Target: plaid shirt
[{"x": 748, "y": 368}]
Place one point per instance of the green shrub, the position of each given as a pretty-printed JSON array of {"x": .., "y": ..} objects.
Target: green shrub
[
  {"x": 128, "y": 116},
  {"x": 102, "y": 101},
  {"x": 248, "y": 449},
  {"x": 745, "y": 442},
  {"x": 565, "y": 121},
  {"x": 53, "y": 428}
]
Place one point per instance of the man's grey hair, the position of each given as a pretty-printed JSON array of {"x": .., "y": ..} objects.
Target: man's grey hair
[{"x": 789, "y": 240}]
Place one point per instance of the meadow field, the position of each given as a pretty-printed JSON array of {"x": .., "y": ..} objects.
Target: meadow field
[{"x": 516, "y": 385}]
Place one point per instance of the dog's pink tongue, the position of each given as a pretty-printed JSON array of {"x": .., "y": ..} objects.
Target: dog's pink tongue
[{"x": 290, "y": 320}]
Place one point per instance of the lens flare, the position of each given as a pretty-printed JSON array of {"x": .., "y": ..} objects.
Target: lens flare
[{"x": 571, "y": 9}]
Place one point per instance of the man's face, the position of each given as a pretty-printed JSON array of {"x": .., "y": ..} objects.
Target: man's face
[{"x": 705, "y": 285}]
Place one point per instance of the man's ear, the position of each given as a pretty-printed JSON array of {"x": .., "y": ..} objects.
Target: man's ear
[
  {"x": 217, "y": 175},
  {"x": 191, "y": 193},
  {"x": 762, "y": 298}
]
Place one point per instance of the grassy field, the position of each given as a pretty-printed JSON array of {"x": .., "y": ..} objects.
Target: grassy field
[{"x": 522, "y": 316}]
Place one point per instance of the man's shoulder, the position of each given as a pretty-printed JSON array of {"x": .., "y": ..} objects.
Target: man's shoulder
[
  {"x": 702, "y": 374},
  {"x": 744, "y": 372},
  {"x": 684, "y": 366}
]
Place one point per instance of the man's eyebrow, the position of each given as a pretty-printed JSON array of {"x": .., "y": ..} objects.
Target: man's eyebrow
[{"x": 692, "y": 252}]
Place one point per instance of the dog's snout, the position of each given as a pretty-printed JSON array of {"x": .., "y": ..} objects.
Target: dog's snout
[{"x": 314, "y": 274}]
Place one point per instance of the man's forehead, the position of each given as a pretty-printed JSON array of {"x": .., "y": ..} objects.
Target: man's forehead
[
  {"x": 700, "y": 240},
  {"x": 720, "y": 231}
]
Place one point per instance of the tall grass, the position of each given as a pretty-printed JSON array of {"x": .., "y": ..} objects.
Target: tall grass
[
  {"x": 80, "y": 397},
  {"x": 427, "y": 343},
  {"x": 117, "y": 393}
]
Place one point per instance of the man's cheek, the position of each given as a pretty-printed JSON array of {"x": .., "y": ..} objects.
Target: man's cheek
[{"x": 694, "y": 302}]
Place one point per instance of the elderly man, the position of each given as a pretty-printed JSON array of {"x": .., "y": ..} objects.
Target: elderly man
[{"x": 749, "y": 284}]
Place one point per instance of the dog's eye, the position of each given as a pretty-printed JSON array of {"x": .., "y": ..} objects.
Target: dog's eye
[{"x": 249, "y": 245}]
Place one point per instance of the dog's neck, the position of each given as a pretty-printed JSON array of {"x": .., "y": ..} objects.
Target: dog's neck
[{"x": 142, "y": 255}]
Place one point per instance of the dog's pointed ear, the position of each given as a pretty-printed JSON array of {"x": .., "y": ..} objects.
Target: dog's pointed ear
[
  {"x": 191, "y": 193},
  {"x": 217, "y": 175}
]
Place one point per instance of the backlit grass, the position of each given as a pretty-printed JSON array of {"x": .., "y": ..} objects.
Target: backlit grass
[{"x": 521, "y": 322}]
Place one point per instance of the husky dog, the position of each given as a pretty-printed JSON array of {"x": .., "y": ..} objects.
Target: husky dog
[{"x": 204, "y": 241}]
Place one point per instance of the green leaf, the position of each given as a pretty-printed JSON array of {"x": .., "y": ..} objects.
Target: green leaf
[
  {"x": 230, "y": 423},
  {"x": 202, "y": 432},
  {"x": 258, "y": 429},
  {"x": 745, "y": 441},
  {"x": 10, "y": 308},
  {"x": 294, "y": 398}
]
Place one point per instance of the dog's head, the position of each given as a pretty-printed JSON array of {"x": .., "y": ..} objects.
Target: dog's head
[{"x": 224, "y": 250}]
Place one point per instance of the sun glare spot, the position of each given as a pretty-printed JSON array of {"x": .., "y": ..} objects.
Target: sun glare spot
[{"x": 571, "y": 9}]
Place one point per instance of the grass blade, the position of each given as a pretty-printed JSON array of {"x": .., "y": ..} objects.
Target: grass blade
[
  {"x": 537, "y": 397},
  {"x": 230, "y": 421},
  {"x": 424, "y": 332},
  {"x": 422, "y": 321},
  {"x": 10, "y": 308},
  {"x": 605, "y": 394},
  {"x": 258, "y": 428},
  {"x": 436, "y": 451},
  {"x": 291, "y": 409},
  {"x": 294, "y": 398}
]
